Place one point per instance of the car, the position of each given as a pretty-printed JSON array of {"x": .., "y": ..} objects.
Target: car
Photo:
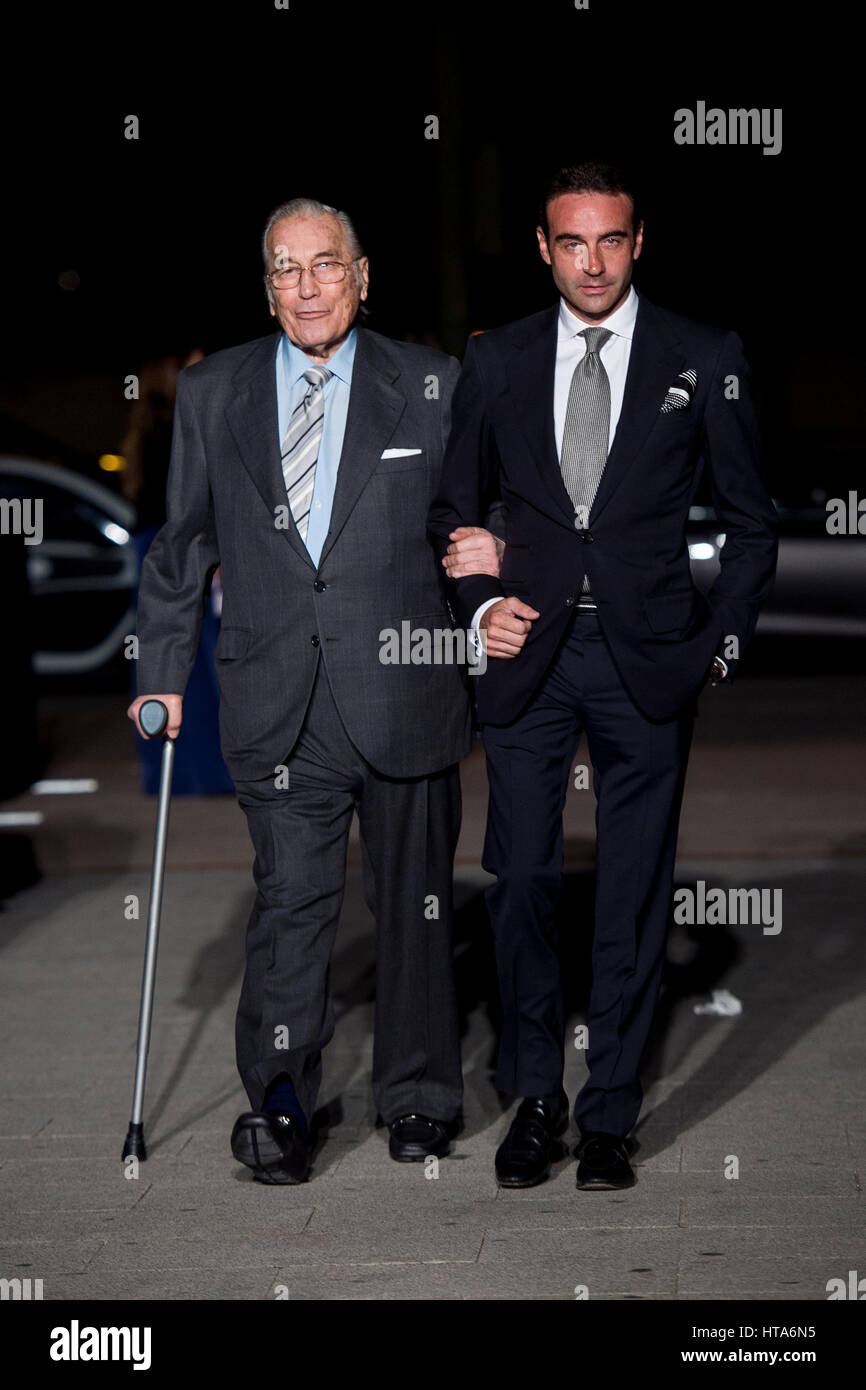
[
  {"x": 820, "y": 581},
  {"x": 82, "y": 569}
]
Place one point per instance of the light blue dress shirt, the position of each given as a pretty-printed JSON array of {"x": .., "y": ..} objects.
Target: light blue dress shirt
[{"x": 291, "y": 363}]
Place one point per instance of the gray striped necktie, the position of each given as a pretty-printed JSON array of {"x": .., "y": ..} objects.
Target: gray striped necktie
[
  {"x": 300, "y": 448},
  {"x": 587, "y": 429}
]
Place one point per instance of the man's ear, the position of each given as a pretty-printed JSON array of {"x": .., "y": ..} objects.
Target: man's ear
[
  {"x": 542, "y": 245},
  {"x": 638, "y": 242}
]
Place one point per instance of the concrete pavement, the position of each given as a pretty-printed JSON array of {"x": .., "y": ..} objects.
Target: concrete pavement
[{"x": 752, "y": 1143}]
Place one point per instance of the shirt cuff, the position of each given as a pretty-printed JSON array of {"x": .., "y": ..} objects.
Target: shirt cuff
[{"x": 481, "y": 610}]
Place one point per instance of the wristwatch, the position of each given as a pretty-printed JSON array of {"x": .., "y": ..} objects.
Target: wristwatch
[{"x": 718, "y": 670}]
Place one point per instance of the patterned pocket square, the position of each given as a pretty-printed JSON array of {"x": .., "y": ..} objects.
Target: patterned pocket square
[{"x": 679, "y": 396}]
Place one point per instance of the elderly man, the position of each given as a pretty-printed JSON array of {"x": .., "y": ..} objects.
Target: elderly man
[{"x": 303, "y": 464}]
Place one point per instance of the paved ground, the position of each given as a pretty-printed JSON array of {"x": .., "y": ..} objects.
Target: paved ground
[{"x": 775, "y": 1095}]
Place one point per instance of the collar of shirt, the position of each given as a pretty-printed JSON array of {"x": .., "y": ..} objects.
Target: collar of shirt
[
  {"x": 295, "y": 361},
  {"x": 621, "y": 322}
]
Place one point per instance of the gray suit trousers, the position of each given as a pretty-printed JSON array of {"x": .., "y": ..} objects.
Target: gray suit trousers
[{"x": 409, "y": 829}]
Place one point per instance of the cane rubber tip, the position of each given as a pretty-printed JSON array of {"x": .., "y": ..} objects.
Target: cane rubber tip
[
  {"x": 153, "y": 717},
  {"x": 134, "y": 1146}
]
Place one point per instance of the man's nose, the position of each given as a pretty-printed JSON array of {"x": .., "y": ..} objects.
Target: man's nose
[
  {"x": 308, "y": 286},
  {"x": 594, "y": 265}
]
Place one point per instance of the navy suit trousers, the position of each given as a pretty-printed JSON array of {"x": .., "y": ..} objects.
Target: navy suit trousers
[{"x": 639, "y": 768}]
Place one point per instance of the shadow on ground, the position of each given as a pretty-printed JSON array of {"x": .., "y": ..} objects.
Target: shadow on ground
[{"x": 788, "y": 984}]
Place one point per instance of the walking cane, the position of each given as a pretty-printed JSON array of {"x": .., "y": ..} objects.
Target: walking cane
[{"x": 153, "y": 717}]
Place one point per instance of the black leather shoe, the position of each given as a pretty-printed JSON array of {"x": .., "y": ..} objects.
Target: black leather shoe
[
  {"x": 525, "y": 1154},
  {"x": 603, "y": 1162},
  {"x": 416, "y": 1137},
  {"x": 269, "y": 1142}
]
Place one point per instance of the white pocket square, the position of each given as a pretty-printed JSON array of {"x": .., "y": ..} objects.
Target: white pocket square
[{"x": 400, "y": 453}]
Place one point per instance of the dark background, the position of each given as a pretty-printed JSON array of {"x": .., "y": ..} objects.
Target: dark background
[{"x": 244, "y": 106}]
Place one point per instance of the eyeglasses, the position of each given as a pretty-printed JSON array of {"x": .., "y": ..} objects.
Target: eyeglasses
[{"x": 325, "y": 272}]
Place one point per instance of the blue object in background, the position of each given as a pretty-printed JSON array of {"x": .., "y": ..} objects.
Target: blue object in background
[{"x": 199, "y": 769}]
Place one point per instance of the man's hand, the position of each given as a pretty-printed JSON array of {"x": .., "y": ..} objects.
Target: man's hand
[
  {"x": 507, "y": 625},
  {"x": 174, "y": 705},
  {"x": 473, "y": 551}
]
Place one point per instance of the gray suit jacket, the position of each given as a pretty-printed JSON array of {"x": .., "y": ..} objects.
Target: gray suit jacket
[{"x": 280, "y": 614}]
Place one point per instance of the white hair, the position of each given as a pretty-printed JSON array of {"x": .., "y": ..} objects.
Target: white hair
[{"x": 311, "y": 207}]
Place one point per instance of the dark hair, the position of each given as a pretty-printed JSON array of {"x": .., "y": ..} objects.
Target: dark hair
[{"x": 589, "y": 177}]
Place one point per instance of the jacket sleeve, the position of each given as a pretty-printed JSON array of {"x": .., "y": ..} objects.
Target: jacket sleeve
[
  {"x": 469, "y": 484},
  {"x": 745, "y": 513},
  {"x": 177, "y": 569}
]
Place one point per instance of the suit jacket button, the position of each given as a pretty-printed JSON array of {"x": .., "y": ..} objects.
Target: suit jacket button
[
  {"x": 569, "y": 603},
  {"x": 586, "y": 537},
  {"x": 319, "y": 586},
  {"x": 315, "y": 640}
]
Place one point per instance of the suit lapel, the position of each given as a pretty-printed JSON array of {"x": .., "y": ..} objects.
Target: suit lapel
[
  {"x": 253, "y": 420},
  {"x": 375, "y": 406},
  {"x": 655, "y": 357},
  {"x": 530, "y": 376}
]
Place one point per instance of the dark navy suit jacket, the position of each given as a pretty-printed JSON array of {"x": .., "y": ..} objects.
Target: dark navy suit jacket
[{"x": 662, "y": 631}]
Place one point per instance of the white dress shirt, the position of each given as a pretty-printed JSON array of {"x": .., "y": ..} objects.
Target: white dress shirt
[{"x": 570, "y": 349}]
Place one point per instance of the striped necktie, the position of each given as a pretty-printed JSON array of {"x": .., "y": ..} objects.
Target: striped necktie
[
  {"x": 301, "y": 447},
  {"x": 587, "y": 429}
]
